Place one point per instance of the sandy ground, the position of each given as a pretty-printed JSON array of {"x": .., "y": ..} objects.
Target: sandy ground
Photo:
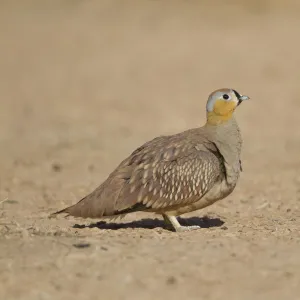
[{"x": 83, "y": 83}]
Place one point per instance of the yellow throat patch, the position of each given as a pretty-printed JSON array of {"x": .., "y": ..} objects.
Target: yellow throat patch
[{"x": 222, "y": 112}]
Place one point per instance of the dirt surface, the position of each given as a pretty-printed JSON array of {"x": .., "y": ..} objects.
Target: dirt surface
[{"x": 83, "y": 83}]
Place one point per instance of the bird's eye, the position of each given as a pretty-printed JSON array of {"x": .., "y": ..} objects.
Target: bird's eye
[{"x": 225, "y": 96}]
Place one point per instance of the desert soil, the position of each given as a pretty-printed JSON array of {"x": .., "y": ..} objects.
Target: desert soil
[{"x": 83, "y": 83}]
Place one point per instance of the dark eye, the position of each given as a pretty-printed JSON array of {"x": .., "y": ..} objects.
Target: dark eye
[{"x": 225, "y": 96}]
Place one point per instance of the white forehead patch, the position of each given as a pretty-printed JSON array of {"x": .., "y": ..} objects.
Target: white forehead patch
[
  {"x": 211, "y": 100},
  {"x": 210, "y": 104}
]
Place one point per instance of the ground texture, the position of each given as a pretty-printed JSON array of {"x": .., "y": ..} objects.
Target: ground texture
[{"x": 83, "y": 83}]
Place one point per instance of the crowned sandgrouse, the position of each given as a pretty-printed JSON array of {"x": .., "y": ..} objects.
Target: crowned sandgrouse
[{"x": 175, "y": 174}]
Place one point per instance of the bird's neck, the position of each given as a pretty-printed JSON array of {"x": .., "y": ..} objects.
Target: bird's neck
[
  {"x": 217, "y": 119},
  {"x": 224, "y": 129},
  {"x": 226, "y": 136}
]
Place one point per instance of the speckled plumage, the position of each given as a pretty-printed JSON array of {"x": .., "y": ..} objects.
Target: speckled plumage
[{"x": 171, "y": 175}]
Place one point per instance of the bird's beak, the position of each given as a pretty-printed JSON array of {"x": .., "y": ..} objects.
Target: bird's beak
[{"x": 244, "y": 97}]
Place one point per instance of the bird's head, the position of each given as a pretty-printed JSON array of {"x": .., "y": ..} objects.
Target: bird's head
[{"x": 221, "y": 105}]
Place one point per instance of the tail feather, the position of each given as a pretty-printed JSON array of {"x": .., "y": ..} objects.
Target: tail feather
[
  {"x": 81, "y": 209},
  {"x": 65, "y": 210},
  {"x": 105, "y": 201},
  {"x": 85, "y": 209}
]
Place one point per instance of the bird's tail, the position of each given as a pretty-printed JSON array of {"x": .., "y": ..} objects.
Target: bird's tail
[
  {"x": 75, "y": 210},
  {"x": 86, "y": 208},
  {"x": 65, "y": 210}
]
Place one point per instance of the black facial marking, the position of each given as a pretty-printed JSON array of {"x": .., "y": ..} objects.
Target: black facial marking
[{"x": 238, "y": 96}]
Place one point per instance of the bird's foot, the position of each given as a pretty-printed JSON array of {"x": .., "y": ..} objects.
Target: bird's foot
[
  {"x": 172, "y": 223},
  {"x": 187, "y": 228}
]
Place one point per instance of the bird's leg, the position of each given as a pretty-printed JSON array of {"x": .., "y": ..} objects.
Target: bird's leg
[
  {"x": 172, "y": 220},
  {"x": 168, "y": 222}
]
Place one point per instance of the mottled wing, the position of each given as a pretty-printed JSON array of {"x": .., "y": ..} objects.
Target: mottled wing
[
  {"x": 164, "y": 172},
  {"x": 176, "y": 175}
]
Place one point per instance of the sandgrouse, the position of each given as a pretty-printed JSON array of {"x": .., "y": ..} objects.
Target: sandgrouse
[{"x": 175, "y": 174}]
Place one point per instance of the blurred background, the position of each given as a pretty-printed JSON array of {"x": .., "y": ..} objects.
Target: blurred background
[{"x": 83, "y": 83}]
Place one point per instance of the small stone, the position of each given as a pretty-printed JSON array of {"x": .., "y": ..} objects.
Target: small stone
[
  {"x": 91, "y": 168},
  {"x": 224, "y": 228},
  {"x": 171, "y": 280},
  {"x": 82, "y": 245},
  {"x": 56, "y": 167},
  {"x": 288, "y": 274},
  {"x": 11, "y": 201}
]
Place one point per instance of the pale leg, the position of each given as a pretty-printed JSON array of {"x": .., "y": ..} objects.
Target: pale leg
[{"x": 172, "y": 220}]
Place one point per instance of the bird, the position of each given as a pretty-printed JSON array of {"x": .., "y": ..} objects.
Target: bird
[{"x": 174, "y": 174}]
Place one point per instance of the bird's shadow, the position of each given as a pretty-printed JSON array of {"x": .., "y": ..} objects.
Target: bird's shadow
[{"x": 204, "y": 222}]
